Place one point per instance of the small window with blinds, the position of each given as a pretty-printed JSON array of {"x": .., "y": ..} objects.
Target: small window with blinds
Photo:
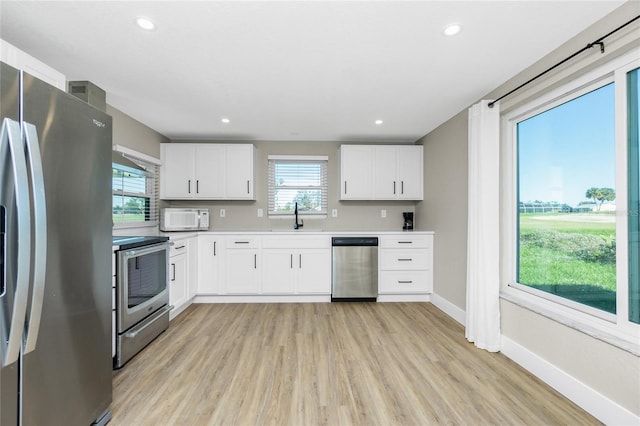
[
  {"x": 134, "y": 194},
  {"x": 298, "y": 179}
]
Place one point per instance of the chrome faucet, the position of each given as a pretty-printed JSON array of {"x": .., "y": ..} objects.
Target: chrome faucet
[{"x": 297, "y": 225}]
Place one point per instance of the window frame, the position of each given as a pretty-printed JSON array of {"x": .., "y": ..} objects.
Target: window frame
[
  {"x": 616, "y": 328},
  {"x": 271, "y": 186},
  {"x": 153, "y": 166}
]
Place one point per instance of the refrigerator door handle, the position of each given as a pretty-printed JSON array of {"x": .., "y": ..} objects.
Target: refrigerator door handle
[
  {"x": 40, "y": 235},
  {"x": 11, "y": 141}
]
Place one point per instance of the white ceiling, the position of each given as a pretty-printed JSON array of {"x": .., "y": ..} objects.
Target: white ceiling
[{"x": 294, "y": 70}]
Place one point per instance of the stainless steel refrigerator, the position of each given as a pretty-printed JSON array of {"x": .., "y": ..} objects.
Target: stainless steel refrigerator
[{"x": 55, "y": 256}]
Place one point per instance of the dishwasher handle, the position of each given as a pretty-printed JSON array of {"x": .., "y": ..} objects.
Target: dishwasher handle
[{"x": 354, "y": 241}]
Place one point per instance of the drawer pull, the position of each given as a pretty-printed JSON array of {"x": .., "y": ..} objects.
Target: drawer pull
[
  {"x": 179, "y": 247},
  {"x": 405, "y": 282},
  {"x": 405, "y": 260},
  {"x": 241, "y": 242},
  {"x": 405, "y": 242}
]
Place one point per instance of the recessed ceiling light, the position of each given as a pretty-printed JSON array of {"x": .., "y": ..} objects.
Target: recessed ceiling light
[
  {"x": 225, "y": 120},
  {"x": 452, "y": 29},
  {"x": 379, "y": 122},
  {"x": 145, "y": 23}
]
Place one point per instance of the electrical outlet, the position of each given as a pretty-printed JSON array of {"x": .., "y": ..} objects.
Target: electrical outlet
[
  {"x": 334, "y": 213},
  {"x": 383, "y": 213},
  {"x": 260, "y": 213},
  {"x": 222, "y": 213}
]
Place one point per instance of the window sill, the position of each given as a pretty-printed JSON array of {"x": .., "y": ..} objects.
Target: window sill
[{"x": 595, "y": 327}]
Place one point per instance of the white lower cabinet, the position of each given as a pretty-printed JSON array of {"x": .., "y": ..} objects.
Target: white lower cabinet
[
  {"x": 406, "y": 264},
  {"x": 291, "y": 266},
  {"x": 278, "y": 273},
  {"x": 210, "y": 253},
  {"x": 296, "y": 265},
  {"x": 181, "y": 285},
  {"x": 241, "y": 265}
]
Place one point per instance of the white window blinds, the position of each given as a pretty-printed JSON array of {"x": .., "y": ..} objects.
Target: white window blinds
[
  {"x": 134, "y": 194},
  {"x": 298, "y": 179}
]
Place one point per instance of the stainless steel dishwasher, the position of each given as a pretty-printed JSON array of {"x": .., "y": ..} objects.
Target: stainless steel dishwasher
[{"x": 354, "y": 264}]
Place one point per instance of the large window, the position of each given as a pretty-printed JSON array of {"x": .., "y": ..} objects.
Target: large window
[
  {"x": 566, "y": 200},
  {"x": 134, "y": 193},
  {"x": 571, "y": 202},
  {"x": 300, "y": 180}
]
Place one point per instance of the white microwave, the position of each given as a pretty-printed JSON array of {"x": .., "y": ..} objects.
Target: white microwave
[{"x": 184, "y": 219}]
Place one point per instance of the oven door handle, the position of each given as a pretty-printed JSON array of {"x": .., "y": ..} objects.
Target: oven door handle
[{"x": 133, "y": 333}]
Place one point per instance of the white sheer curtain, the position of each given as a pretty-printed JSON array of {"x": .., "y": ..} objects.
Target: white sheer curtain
[{"x": 483, "y": 250}]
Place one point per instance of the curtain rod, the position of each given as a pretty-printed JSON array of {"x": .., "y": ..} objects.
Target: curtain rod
[{"x": 598, "y": 42}]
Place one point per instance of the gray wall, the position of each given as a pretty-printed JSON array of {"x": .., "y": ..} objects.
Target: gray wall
[
  {"x": 351, "y": 214},
  {"x": 610, "y": 371},
  {"x": 444, "y": 209},
  {"x": 135, "y": 135}
]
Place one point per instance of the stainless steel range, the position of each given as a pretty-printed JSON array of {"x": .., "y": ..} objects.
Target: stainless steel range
[{"x": 142, "y": 293}]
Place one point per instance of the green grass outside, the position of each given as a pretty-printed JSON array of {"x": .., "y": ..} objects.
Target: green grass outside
[
  {"x": 571, "y": 255},
  {"x": 118, "y": 218}
]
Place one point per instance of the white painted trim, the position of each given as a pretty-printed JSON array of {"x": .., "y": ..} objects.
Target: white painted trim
[
  {"x": 449, "y": 308},
  {"x": 299, "y": 157},
  {"x": 132, "y": 153},
  {"x": 599, "y": 406}
]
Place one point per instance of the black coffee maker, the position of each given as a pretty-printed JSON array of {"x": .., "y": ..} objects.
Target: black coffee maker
[{"x": 408, "y": 220}]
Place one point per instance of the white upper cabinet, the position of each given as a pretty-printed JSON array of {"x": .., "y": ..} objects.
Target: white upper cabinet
[
  {"x": 381, "y": 172},
  {"x": 177, "y": 171},
  {"x": 356, "y": 172},
  {"x": 206, "y": 171},
  {"x": 209, "y": 171},
  {"x": 239, "y": 173},
  {"x": 410, "y": 173}
]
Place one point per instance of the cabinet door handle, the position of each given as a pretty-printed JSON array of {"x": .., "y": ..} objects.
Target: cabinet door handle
[
  {"x": 291, "y": 259},
  {"x": 405, "y": 260},
  {"x": 401, "y": 187},
  {"x": 394, "y": 187},
  {"x": 255, "y": 261},
  {"x": 173, "y": 272},
  {"x": 345, "y": 187},
  {"x": 300, "y": 260},
  {"x": 198, "y": 186},
  {"x": 247, "y": 187},
  {"x": 189, "y": 186},
  {"x": 214, "y": 248},
  {"x": 405, "y": 282}
]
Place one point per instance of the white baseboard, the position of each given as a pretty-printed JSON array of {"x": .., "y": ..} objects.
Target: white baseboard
[
  {"x": 449, "y": 308},
  {"x": 599, "y": 406},
  {"x": 403, "y": 298},
  {"x": 311, "y": 298}
]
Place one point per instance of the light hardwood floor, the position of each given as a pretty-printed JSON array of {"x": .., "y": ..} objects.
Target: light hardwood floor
[{"x": 328, "y": 364}]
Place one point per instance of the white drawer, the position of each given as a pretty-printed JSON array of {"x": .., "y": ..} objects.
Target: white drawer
[
  {"x": 297, "y": 242},
  {"x": 406, "y": 241},
  {"x": 243, "y": 242},
  {"x": 415, "y": 282},
  {"x": 179, "y": 247},
  {"x": 409, "y": 260}
]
